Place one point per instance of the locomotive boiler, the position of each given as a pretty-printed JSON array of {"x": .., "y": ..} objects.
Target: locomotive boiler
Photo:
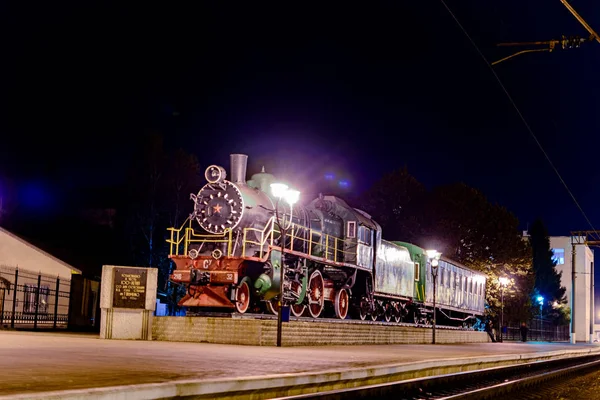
[{"x": 334, "y": 259}]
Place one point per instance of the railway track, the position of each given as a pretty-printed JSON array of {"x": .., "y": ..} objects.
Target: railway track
[
  {"x": 325, "y": 320},
  {"x": 519, "y": 382}
]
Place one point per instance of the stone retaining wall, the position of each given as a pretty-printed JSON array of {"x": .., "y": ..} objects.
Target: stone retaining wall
[{"x": 256, "y": 332}]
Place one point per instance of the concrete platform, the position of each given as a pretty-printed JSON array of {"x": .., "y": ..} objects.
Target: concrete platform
[{"x": 81, "y": 366}]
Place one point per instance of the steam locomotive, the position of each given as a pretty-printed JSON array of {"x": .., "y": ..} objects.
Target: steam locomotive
[{"x": 334, "y": 260}]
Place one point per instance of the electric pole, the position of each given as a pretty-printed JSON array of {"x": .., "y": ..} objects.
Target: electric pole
[
  {"x": 571, "y": 42},
  {"x": 593, "y": 35}
]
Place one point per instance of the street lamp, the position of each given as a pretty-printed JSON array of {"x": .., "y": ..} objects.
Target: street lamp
[
  {"x": 434, "y": 257},
  {"x": 281, "y": 191},
  {"x": 503, "y": 283},
  {"x": 540, "y": 300}
]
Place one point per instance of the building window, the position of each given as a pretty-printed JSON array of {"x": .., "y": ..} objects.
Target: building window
[
  {"x": 559, "y": 256},
  {"x": 417, "y": 272}
]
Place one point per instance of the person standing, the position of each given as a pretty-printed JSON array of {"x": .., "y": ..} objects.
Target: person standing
[
  {"x": 489, "y": 328},
  {"x": 524, "y": 331}
]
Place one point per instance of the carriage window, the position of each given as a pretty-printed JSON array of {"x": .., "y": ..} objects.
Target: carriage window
[
  {"x": 351, "y": 230},
  {"x": 417, "y": 271},
  {"x": 364, "y": 235}
]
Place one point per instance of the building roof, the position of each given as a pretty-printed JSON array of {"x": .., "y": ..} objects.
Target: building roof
[{"x": 31, "y": 246}]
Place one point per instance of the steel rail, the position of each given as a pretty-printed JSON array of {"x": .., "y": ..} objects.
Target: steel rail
[{"x": 461, "y": 385}]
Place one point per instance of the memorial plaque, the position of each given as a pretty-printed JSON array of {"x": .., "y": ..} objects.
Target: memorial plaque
[{"x": 129, "y": 288}]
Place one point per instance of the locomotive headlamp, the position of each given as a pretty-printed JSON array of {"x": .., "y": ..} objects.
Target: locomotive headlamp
[{"x": 215, "y": 174}]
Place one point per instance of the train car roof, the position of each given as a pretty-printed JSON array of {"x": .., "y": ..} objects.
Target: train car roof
[
  {"x": 450, "y": 261},
  {"x": 359, "y": 215},
  {"x": 446, "y": 259}
]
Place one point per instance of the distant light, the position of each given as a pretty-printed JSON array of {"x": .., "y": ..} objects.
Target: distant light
[
  {"x": 540, "y": 299},
  {"x": 344, "y": 183},
  {"x": 329, "y": 177},
  {"x": 503, "y": 281},
  {"x": 34, "y": 196}
]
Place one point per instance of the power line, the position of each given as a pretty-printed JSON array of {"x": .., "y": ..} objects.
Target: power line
[{"x": 522, "y": 117}]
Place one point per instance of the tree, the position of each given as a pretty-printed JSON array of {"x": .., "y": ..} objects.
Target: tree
[
  {"x": 182, "y": 178},
  {"x": 146, "y": 200},
  {"x": 547, "y": 278},
  {"x": 485, "y": 237},
  {"x": 159, "y": 186},
  {"x": 396, "y": 202}
]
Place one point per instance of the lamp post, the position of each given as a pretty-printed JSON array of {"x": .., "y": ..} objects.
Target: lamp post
[
  {"x": 503, "y": 283},
  {"x": 540, "y": 300},
  {"x": 281, "y": 191},
  {"x": 434, "y": 257}
]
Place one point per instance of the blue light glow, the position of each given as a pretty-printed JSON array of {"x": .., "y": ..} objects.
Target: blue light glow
[
  {"x": 35, "y": 196},
  {"x": 344, "y": 184}
]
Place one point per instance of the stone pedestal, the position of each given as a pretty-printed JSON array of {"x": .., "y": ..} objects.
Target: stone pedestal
[{"x": 127, "y": 302}]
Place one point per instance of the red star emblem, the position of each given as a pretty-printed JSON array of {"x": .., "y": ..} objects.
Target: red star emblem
[{"x": 217, "y": 208}]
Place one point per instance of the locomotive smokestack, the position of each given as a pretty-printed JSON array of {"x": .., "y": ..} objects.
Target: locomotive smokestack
[{"x": 239, "y": 163}]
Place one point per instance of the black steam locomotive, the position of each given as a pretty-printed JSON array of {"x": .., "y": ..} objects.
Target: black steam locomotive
[{"x": 333, "y": 257}]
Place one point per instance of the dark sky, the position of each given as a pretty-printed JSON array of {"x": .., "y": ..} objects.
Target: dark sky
[{"x": 357, "y": 87}]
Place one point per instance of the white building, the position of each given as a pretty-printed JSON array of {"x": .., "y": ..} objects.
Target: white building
[
  {"x": 585, "y": 330},
  {"x": 34, "y": 285}
]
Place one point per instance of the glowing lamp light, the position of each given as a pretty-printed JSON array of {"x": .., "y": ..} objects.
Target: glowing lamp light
[
  {"x": 503, "y": 281},
  {"x": 291, "y": 196},
  {"x": 279, "y": 189},
  {"x": 433, "y": 254},
  {"x": 540, "y": 299}
]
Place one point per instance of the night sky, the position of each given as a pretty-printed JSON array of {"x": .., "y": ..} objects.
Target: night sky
[{"x": 359, "y": 88}]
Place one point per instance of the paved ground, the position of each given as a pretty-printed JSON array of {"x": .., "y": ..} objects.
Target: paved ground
[{"x": 36, "y": 362}]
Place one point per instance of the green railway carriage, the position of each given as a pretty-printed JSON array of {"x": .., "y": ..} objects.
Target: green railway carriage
[
  {"x": 419, "y": 258},
  {"x": 460, "y": 291}
]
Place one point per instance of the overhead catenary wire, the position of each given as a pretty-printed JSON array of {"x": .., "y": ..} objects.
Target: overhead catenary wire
[{"x": 522, "y": 117}]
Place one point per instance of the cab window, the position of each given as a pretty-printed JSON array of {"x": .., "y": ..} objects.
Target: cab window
[{"x": 364, "y": 235}]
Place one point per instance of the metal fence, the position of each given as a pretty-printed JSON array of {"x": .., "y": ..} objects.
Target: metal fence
[
  {"x": 33, "y": 300},
  {"x": 538, "y": 330}
]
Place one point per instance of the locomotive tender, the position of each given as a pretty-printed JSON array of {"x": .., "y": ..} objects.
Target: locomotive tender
[{"x": 335, "y": 258}]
